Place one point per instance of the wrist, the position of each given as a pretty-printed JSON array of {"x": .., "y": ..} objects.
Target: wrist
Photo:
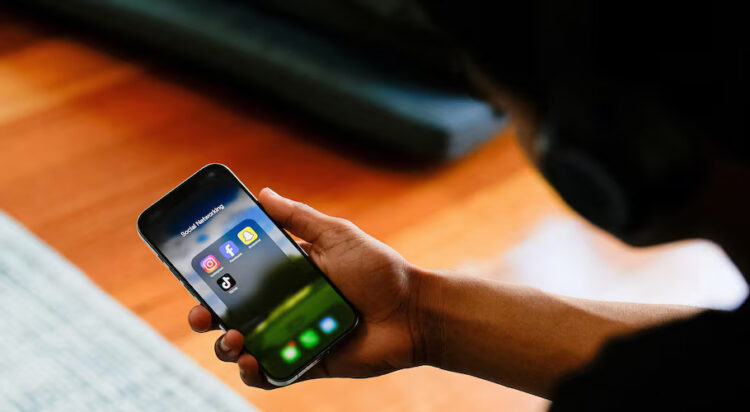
[{"x": 426, "y": 320}]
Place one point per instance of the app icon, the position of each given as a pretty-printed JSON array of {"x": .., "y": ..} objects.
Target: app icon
[
  {"x": 209, "y": 263},
  {"x": 229, "y": 250},
  {"x": 328, "y": 324},
  {"x": 226, "y": 282},
  {"x": 247, "y": 235},
  {"x": 309, "y": 338},
  {"x": 290, "y": 353}
]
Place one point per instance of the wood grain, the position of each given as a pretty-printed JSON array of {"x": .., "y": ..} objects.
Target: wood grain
[{"x": 88, "y": 140}]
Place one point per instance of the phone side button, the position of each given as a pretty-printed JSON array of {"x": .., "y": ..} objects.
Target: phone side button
[
  {"x": 189, "y": 289},
  {"x": 191, "y": 292}
]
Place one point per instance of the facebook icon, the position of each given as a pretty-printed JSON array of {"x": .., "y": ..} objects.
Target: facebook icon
[{"x": 229, "y": 249}]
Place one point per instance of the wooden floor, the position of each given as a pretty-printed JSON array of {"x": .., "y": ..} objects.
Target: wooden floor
[{"x": 90, "y": 137}]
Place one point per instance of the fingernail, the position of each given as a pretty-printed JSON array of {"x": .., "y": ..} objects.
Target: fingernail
[
  {"x": 272, "y": 191},
  {"x": 223, "y": 345}
]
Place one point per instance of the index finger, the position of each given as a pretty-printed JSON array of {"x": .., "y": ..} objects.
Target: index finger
[{"x": 201, "y": 320}]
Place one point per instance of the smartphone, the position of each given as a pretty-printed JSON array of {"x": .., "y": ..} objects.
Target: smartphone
[{"x": 215, "y": 237}]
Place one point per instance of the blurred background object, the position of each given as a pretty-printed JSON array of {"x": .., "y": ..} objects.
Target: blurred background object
[
  {"x": 67, "y": 346},
  {"x": 373, "y": 69}
]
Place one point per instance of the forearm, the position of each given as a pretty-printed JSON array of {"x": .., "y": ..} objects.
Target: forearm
[{"x": 518, "y": 336}]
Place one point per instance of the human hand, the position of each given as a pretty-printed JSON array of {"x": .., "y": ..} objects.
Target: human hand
[{"x": 375, "y": 279}]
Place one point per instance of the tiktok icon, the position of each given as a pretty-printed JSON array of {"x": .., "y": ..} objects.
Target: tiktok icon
[{"x": 226, "y": 282}]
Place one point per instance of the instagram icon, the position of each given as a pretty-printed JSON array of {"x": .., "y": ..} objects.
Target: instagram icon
[{"x": 209, "y": 263}]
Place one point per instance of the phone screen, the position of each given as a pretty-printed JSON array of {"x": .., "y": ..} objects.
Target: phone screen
[{"x": 247, "y": 271}]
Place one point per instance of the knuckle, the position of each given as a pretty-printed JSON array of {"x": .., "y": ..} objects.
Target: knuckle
[
  {"x": 345, "y": 225},
  {"x": 338, "y": 231},
  {"x": 299, "y": 207},
  {"x": 297, "y": 214}
]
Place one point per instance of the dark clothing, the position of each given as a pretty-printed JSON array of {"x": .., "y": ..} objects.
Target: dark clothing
[
  {"x": 614, "y": 88},
  {"x": 700, "y": 363}
]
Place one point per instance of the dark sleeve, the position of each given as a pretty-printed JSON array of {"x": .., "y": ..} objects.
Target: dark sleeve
[{"x": 695, "y": 364}]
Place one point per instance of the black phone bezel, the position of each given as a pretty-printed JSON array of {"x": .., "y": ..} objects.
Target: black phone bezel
[{"x": 178, "y": 194}]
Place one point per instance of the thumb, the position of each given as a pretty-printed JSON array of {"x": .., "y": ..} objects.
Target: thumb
[{"x": 298, "y": 218}]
